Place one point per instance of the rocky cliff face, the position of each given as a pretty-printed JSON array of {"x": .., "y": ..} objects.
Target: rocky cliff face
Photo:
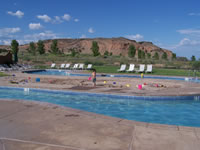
[{"x": 116, "y": 46}]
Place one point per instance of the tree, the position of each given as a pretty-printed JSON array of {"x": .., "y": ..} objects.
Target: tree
[
  {"x": 131, "y": 51},
  {"x": 196, "y": 65},
  {"x": 164, "y": 56},
  {"x": 15, "y": 49},
  {"x": 143, "y": 55},
  {"x": 73, "y": 52},
  {"x": 40, "y": 47},
  {"x": 156, "y": 56},
  {"x": 148, "y": 55},
  {"x": 106, "y": 53},
  {"x": 54, "y": 47},
  {"x": 32, "y": 48},
  {"x": 139, "y": 54},
  {"x": 193, "y": 58},
  {"x": 173, "y": 56},
  {"x": 95, "y": 48}
]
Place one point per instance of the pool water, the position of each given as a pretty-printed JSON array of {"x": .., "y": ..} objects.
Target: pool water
[
  {"x": 173, "y": 112},
  {"x": 71, "y": 73}
]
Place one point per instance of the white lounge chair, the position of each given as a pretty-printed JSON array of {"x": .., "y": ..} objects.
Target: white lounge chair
[
  {"x": 122, "y": 68},
  {"x": 53, "y": 65},
  {"x": 149, "y": 69},
  {"x": 131, "y": 68},
  {"x": 62, "y": 66},
  {"x": 75, "y": 66},
  {"x": 141, "y": 69},
  {"x": 81, "y": 66},
  {"x": 89, "y": 67},
  {"x": 67, "y": 66}
]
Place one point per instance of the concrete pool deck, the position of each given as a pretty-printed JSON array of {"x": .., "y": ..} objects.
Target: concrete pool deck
[{"x": 27, "y": 125}]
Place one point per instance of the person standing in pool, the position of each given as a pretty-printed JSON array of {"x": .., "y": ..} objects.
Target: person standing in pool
[{"x": 94, "y": 77}]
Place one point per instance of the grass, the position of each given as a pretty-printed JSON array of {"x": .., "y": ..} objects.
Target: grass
[
  {"x": 109, "y": 64},
  {"x": 3, "y": 74},
  {"x": 156, "y": 71}
]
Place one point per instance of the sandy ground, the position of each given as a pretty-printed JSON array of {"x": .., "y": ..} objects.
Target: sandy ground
[{"x": 108, "y": 85}]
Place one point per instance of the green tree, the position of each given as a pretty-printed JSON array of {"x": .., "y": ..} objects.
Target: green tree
[
  {"x": 164, "y": 56},
  {"x": 15, "y": 49},
  {"x": 139, "y": 54},
  {"x": 143, "y": 55},
  {"x": 173, "y": 56},
  {"x": 193, "y": 58},
  {"x": 156, "y": 56},
  {"x": 40, "y": 47},
  {"x": 73, "y": 52},
  {"x": 131, "y": 51},
  {"x": 54, "y": 47},
  {"x": 95, "y": 48},
  {"x": 32, "y": 48},
  {"x": 106, "y": 53},
  {"x": 148, "y": 55},
  {"x": 111, "y": 54},
  {"x": 196, "y": 65}
]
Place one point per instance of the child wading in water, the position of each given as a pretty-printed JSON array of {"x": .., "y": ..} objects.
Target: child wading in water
[{"x": 94, "y": 77}]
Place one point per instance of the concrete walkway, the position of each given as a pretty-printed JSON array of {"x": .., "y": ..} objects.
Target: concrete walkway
[{"x": 26, "y": 125}]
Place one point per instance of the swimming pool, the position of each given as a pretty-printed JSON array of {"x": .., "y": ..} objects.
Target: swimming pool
[
  {"x": 71, "y": 73},
  {"x": 180, "y": 110}
]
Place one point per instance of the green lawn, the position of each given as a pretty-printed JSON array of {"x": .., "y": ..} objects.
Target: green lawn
[
  {"x": 2, "y": 74},
  {"x": 156, "y": 71},
  {"x": 105, "y": 64}
]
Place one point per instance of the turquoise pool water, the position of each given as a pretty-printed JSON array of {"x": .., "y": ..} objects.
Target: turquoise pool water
[
  {"x": 163, "y": 110},
  {"x": 72, "y": 73}
]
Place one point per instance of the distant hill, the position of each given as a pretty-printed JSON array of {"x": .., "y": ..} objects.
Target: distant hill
[{"x": 116, "y": 46}]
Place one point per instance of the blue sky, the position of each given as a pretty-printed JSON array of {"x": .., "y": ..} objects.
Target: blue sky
[{"x": 170, "y": 24}]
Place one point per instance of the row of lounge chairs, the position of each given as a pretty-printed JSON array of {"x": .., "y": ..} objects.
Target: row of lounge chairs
[
  {"x": 14, "y": 67},
  {"x": 74, "y": 67},
  {"x": 132, "y": 68}
]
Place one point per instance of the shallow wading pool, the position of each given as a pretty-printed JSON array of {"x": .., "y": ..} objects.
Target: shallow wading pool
[
  {"x": 74, "y": 73},
  {"x": 171, "y": 110}
]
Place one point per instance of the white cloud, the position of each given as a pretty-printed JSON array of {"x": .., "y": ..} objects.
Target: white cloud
[
  {"x": 185, "y": 43},
  {"x": 188, "y": 42},
  {"x": 35, "y": 26},
  {"x": 83, "y": 36},
  {"x": 45, "y": 18},
  {"x": 76, "y": 20},
  {"x": 41, "y": 36},
  {"x": 18, "y": 13},
  {"x": 194, "y": 14},
  {"x": 136, "y": 37},
  {"x": 5, "y": 42},
  {"x": 8, "y": 31},
  {"x": 57, "y": 20},
  {"x": 91, "y": 30},
  {"x": 66, "y": 17},
  {"x": 189, "y": 31}
]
